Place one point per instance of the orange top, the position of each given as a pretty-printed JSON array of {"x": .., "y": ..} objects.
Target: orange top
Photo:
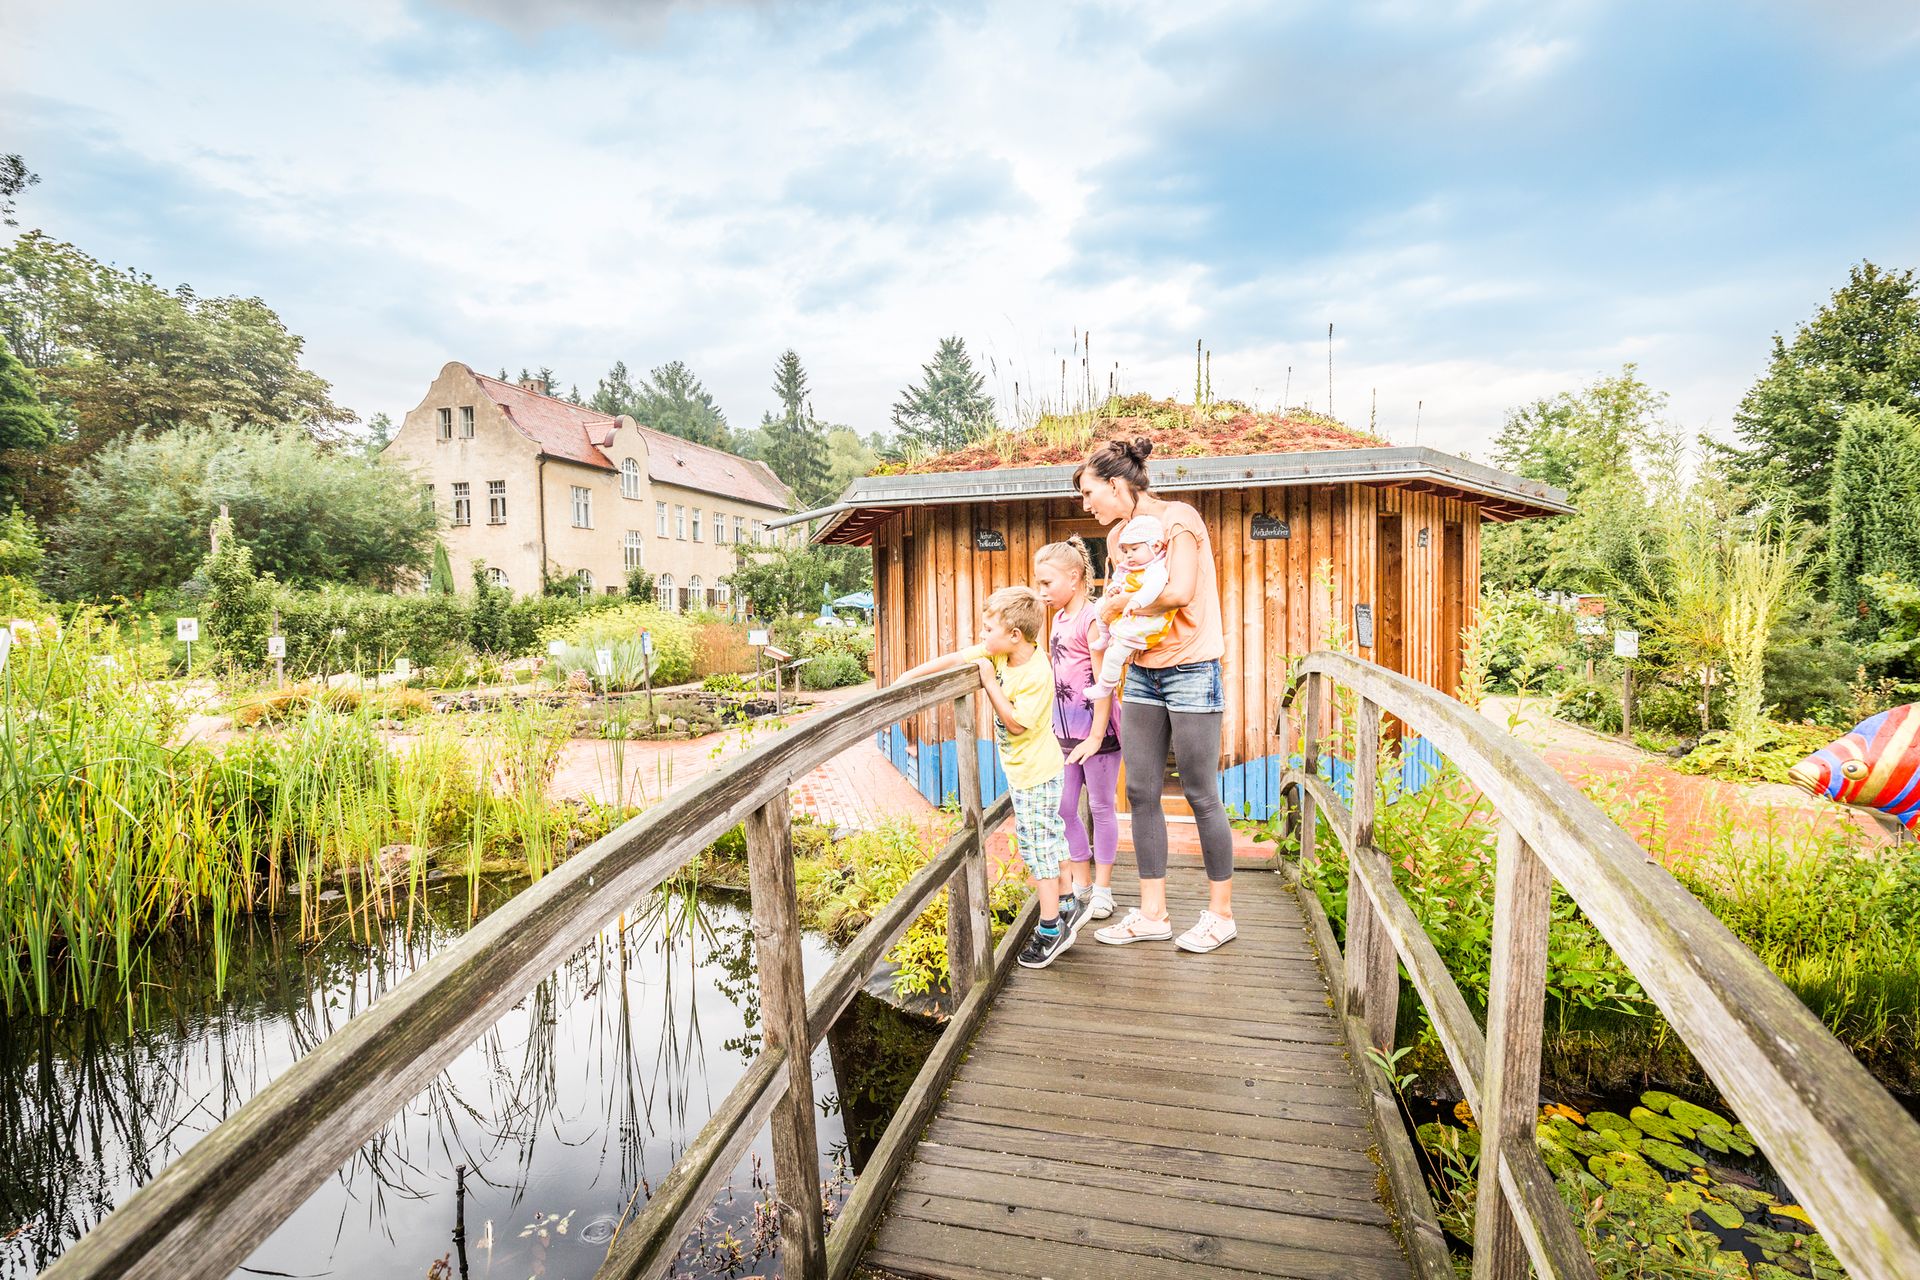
[{"x": 1195, "y": 635}]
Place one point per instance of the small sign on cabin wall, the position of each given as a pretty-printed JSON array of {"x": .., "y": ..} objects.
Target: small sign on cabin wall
[
  {"x": 989, "y": 540},
  {"x": 1420, "y": 539},
  {"x": 1266, "y": 528},
  {"x": 1363, "y": 625}
]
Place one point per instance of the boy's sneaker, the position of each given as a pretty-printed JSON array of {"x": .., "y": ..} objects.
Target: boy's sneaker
[
  {"x": 1134, "y": 927},
  {"x": 1042, "y": 951},
  {"x": 1074, "y": 913},
  {"x": 1101, "y": 905}
]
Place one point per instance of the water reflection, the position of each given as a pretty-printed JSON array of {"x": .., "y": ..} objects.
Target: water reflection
[{"x": 518, "y": 1160}]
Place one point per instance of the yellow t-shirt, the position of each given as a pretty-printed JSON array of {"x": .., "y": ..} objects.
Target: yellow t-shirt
[{"x": 1033, "y": 758}]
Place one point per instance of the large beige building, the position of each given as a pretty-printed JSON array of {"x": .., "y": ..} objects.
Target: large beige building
[{"x": 539, "y": 488}]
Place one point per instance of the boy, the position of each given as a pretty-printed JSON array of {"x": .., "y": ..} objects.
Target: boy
[{"x": 1019, "y": 685}]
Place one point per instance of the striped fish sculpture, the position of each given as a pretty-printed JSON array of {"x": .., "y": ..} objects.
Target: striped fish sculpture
[{"x": 1874, "y": 765}]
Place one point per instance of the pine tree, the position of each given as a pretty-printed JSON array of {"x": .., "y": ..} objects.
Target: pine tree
[
  {"x": 615, "y": 394},
  {"x": 673, "y": 400},
  {"x": 950, "y": 408},
  {"x": 1873, "y": 525},
  {"x": 25, "y": 423},
  {"x": 795, "y": 447},
  {"x": 1863, "y": 347}
]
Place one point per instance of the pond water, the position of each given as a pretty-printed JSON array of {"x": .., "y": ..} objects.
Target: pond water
[{"x": 517, "y": 1161}]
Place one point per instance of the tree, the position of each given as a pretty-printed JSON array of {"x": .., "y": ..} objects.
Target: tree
[
  {"x": 239, "y": 604},
  {"x": 615, "y": 394},
  {"x": 949, "y": 408},
  {"x": 786, "y": 580},
  {"x": 20, "y": 552},
  {"x": 139, "y": 511},
  {"x": 25, "y": 423},
  {"x": 848, "y": 458},
  {"x": 15, "y": 177},
  {"x": 379, "y": 434},
  {"x": 489, "y": 629},
  {"x": 1873, "y": 505},
  {"x": 440, "y": 576},
  {"x": 791, "y": 441},
  {"x": 1863, "y": 347},
  {"x": 674, "y": 401}
]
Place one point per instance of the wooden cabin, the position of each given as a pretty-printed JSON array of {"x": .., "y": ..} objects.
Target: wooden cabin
[{"x": 1377, "y": 548}]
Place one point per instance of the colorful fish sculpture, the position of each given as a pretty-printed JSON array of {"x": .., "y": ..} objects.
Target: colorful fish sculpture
[{"x": 1874, "y": 765}]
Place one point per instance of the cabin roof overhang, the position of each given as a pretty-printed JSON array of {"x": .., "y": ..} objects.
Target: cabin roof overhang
[{"x": 871, "y": 501}]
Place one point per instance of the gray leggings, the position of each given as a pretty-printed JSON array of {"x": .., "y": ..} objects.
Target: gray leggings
[{"x": 1195, "y": 737}]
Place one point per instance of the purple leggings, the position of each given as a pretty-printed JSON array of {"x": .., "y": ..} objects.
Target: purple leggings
[{"x": 1100, "y": 775}]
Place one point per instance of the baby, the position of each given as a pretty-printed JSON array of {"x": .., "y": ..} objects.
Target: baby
[{"x": 1142, "y": 544}]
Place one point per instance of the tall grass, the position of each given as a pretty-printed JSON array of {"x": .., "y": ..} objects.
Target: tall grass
[{"x": 110, "y": 832}]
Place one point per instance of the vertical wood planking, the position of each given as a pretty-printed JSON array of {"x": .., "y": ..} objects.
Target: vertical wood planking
[
  {"x": 1320, "y": 501},
  {"x": 1275, "y": 646},
  {"x": 944, "y": 612},
  {"x": 1516, "y": 1010},
  {"x": 783, "y": 1021},
  {"x": 1299, "y": 603}
]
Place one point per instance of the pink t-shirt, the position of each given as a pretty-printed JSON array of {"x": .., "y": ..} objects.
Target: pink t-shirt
[{"x": 1071, "y": 650}]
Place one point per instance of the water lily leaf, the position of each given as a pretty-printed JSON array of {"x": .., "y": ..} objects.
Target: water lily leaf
[
  {"x": 1747, "y": 1199},
  {"x": 1608, "y": 1120},
  {"x": 1714, "y": 1139},
  {"x": 1793, "y": 1211},
  {"x": 1684, "y": 1198},
  {"x": 1463, "y": 1113},
  {"x": 1627, "y": 1171},
  {"x": 1658, "y": 1126},
  {"x": 1738, "y": 1141},
  {"x": 1667, "y": 1155},
  {"x": 1700, "y": 1176},
  {"x": 1724, "y": 1214},
  {"x": 1654, "y": 1100},
  {"x": 1696, "y": 1117},
  {"x": 1566, "y": 1112}
]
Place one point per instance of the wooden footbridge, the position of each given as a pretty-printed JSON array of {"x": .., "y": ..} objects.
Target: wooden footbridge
[{"x": 1129, "y": 1112}]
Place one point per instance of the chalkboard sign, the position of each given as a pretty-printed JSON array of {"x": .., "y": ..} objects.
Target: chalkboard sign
[
  {"x": 989, "y": 540},
  {"x": 1420, "y": 539},
  {"x": 1363, "y": 625},
  {"x": 1266, "y": 528}
]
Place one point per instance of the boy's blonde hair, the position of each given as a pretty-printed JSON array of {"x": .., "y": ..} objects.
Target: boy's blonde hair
[{"x": 1020, "y": 608}]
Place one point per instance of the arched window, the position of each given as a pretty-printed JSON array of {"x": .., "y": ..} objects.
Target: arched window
[
  {"x": 585, "y": 579},
  {"x": 696, "y": 599},
  {"x": 629, "y": 478},
  {"x": 724, "y": 594},
  {"x": 496, "y": 575},
  {"x": 663, "y": 591}
]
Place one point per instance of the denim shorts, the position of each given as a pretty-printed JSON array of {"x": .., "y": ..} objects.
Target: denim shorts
[{"x": 1191, "y": 686}]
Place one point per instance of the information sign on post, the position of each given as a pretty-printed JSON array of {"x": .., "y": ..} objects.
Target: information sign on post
[
  {"x": 6, "y": 645},
  {"x": 1626, "y": 644},
  {"x": 603, "y": 662},
  {"x": 403, "y": 667},
  {"x": 187, "y": 630},
  {"x": 646, "y": 668},
  {"x": 758, "y": 639},
  {"x": 276, "y": 647},
  {"x": 556, "y": 647},
  {"x": 646, "y": 644}
]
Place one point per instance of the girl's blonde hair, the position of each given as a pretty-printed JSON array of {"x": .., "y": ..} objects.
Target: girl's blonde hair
[{"x": 1072, "y": 552}]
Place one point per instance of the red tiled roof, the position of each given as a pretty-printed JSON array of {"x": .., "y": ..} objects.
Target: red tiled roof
[{"x": 578, "y": 434}]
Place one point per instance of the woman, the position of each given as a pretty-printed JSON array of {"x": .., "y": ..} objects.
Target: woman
[{"x": 1173, "y": 697}]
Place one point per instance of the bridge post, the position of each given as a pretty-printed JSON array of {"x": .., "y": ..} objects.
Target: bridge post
[
  {"x": 1310, "y": 718},
  {"x": 1516, "y": 1013},
  {"x": 1372, "y": 966},
  {"x": 969, "y": 932},
  {"x": 783, "y": 1025}
]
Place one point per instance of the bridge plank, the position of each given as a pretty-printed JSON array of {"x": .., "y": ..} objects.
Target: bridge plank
[{"x": 1138, "y": 1111}]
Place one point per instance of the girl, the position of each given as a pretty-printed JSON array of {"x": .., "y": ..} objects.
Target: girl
[
  {"x": 1063, "y": 572},
  {"x": 1173, "y": 696}
]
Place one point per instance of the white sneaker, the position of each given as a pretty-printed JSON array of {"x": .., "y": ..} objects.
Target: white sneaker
[
  {"x": 1209, "y": 932},
  {"x": 1134, "y": 927},
  {"x": 1100, "y": 906}
]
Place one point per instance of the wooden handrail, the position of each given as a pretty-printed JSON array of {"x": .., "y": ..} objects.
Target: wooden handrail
[
  {"x": 208, "y": 1210},
  {"x": 1845, "y": 1147}
]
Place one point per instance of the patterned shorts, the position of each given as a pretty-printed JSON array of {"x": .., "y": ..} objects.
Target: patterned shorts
[{"x": 1038, "y": 828}]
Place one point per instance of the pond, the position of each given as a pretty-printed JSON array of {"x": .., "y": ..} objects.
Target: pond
[{"x": 518, "y": 1160}]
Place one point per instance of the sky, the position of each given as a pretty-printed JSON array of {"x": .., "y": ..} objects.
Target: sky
[{"x": 1489, "y": 201}]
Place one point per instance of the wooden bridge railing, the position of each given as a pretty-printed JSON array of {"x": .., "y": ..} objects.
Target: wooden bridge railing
[
  {"x": 1845, "y": 1147},
  {"x": 212, "y": 1207}
]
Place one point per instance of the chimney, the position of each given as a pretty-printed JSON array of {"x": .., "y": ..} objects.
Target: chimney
[{"x": 534, "y": 382}]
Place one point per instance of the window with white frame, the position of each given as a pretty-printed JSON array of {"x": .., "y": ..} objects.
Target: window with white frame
[
  {"x": 630, "y": 478},
  {"x": 462, "y": 502},
  {"x": 633, "y": 553},
  {"x": 446, "y": 424},
  {"x": 496, "y": 502},
  {"x": 466, "y": 422},
  {"x": 660, "y": 518},
  {"x": 724, "y": 594},
  {"x": 582, "y": 507},
  {"x": 663, "y": 591},
  {"x": 585, "y": 579},
  {"x": 719, "y": 527},
  {"x": 680, "y": 522},
  {"x": 739, "y": 528},
  {"x": 496, "y": 575},
  {"x": 696, "y": 524},
  {"x": 696, "y": 598}
]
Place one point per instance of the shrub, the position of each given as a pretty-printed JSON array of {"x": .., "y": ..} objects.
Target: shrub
[
  {"x": 719, "y": 646},
  {"x": 1595, "y": 705},
  {"x": 723, "y": 682},
  {"x": 832, "y": 671},
  {"x": 1663, "y": 704},
  {"x": 339, "y": 628},
  {"x": 672, "y": 638},
  {"x": 640, "y": 586},
  {"x": 802, "y": 639}
]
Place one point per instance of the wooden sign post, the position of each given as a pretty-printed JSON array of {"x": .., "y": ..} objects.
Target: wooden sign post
[{"x": 1626, "y": 644}]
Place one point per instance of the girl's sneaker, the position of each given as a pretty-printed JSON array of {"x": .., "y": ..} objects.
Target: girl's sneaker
[
  {"x": 1100, "y": 906},
  {"x": 1210, "y": 932},
  {"x": 1042, "y": 951},
  {"x": 1134, "y": 927}
]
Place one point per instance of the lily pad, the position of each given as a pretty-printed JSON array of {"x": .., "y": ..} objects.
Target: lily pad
[
  {"x": 1658, "y": 1126},
  {"x": 1723, "y": 1214},
  {"x": 1654, "y": 1100},
  {"x": 1793, "y": 1211},
  {"x": 1668, "y": 1156},
  {"x": 1608, "y": 1120}
]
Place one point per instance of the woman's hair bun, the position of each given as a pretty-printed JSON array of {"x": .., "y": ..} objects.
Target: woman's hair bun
[{"x": 1139, "y": 448}]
